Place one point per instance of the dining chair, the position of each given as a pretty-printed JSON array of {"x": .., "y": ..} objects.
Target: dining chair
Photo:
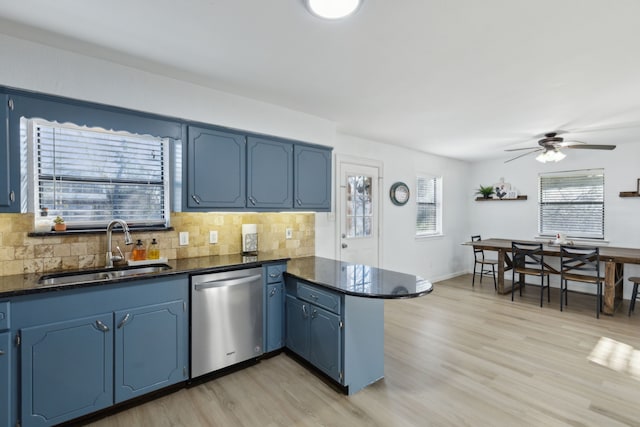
[
  {"x": 528, "y": 259},
  {"x": 480, "y": 260},
  {"x": 634, "y": 294},
  {"x": 580, "y": 264}
]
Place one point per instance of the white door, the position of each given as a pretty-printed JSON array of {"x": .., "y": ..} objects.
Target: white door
[{"x": 358, "y": 240}]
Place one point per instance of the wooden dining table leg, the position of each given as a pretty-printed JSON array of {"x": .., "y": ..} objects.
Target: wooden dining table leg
[
  {"x": 613, "y": 277},
  {"x": 501, "y": 289}
]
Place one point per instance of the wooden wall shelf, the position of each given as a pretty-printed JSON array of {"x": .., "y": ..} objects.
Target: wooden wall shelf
[
  {"x": 482, "y": 199},
  {"x": 629, "y": 194}
]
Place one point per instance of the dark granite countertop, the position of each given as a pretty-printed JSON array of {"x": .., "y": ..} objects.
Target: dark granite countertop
[
  {"x": 23, "y": 284},
  {"x": 358, "y": 279},
  {"x": 353, "y": 279}
]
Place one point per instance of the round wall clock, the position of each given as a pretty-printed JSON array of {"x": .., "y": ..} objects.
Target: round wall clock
[{"x": 399, "y": 194}]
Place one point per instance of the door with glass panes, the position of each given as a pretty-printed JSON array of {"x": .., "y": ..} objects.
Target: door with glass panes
[{"x": 358, "y": 212}]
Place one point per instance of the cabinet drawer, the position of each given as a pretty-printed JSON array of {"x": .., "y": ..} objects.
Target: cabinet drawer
[
  {"x": 274, "y": 272},
  {"x": 319, "y": 297},
  {"x": 4, "y": 315}
]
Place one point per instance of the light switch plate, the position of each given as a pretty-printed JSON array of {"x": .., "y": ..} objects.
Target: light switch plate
[
  {"x": 213, "y": 236},
  {"x": 288, "y": 233},
  {"x": 184, "y": 238}
]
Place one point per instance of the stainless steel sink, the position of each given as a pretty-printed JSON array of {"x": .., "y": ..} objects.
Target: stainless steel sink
[{"x": 85, "y": 276}]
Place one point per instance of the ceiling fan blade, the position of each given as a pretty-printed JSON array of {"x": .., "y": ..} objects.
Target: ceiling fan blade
[
  {"x": 522, "y": 155},
  {"x": 591, "y": 147},
  {"x": 520, "y": 149}
]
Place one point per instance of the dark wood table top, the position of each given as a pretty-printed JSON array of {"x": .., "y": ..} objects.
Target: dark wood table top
[{"x": 607, "y": 253}]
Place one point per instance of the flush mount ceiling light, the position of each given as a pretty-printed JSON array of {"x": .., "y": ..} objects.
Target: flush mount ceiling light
[{"x": 332, "y": 9}]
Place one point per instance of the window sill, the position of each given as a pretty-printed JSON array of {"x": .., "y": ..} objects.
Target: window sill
[
  {"x": 95, "y": 231},
  {"x": 584, "y": 240},
  {"x": 429, "y": 236}
]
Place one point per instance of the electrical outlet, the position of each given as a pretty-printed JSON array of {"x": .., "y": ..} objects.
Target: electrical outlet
[
  {"x": 288, "y": 233},
  {"x": 213, "y": 236},
  {"x": 184, "y": 238}
]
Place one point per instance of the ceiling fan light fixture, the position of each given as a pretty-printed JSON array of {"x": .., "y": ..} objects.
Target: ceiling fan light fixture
[
  {"x": 550, "y": 156},
  {"x": 332, "y": 9}
]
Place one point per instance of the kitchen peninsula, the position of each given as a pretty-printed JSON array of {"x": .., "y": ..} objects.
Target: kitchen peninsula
[{"x": 90, "y": 339}]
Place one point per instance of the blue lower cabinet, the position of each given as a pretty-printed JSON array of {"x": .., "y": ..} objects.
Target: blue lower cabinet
[
  {"x": 297, "y": 326},
  {"x": 5, "y": 390},
  {"x": 316, "y": 335},
  {"x": 67, "y": 369},
  {"x": 274, "y": 339},
  {"x": 149, "y": 350},
  {"x": 325, "y": 349}
]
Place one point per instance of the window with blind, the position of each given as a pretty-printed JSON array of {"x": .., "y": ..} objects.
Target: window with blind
[
  {"x": 90, "y": 176},
  {"x": 428, "y": 206},
  {"x": 573, "y": 203}
]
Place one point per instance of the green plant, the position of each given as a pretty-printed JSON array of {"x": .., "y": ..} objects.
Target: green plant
[
  {"x": 485, "y": 191},
  {"x": 59, "y": 220}
]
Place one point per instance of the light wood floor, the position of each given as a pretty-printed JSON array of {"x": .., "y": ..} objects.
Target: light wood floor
[{"x": 457, "y": 357}]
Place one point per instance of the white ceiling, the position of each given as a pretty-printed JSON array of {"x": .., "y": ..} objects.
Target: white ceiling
[{"x": 460, "y": 78}]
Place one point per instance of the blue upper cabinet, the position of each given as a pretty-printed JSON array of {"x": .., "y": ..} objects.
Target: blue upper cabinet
[
  {"x": 312, "y": 182},
  {"x": 8, "y": 156},
  {"x": 269, "y": 174},
  {"x": 215, "y": 169}
]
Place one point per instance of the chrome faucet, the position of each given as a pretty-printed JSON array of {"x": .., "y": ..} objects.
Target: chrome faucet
[{"x": 127, "y": 241}]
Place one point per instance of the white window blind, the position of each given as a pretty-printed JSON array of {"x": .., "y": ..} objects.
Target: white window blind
[
  {"x": 572, "y": 203},
  {"x": 90, "y": 176},
  {"x": 428, "y": 215}
]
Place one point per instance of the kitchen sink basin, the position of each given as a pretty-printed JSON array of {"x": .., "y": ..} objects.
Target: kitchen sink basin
[{"x": 67, "y": 278}]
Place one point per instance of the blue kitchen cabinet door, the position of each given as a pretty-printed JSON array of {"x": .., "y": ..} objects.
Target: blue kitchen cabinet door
[
  {"x": 269, "y": 174},
  {"x": 325, "y": 349},
  {"x": 274, "y": 317},
  {"x": 67, "y": 369},
  {"x": 150, "y": 350},
  {"x": 312, "y": 178},
  {"x": 8, "y": 196},
  {"x": 5, "y": 386},
  {"x": 216, "y": 169},
  {"x": 297, "y": 326}
]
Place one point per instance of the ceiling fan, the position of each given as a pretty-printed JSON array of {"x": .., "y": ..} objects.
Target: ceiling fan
[{"x": 550, "y": 147}]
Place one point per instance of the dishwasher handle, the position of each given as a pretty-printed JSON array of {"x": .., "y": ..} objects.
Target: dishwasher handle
[{"x": 221, "y": 283}]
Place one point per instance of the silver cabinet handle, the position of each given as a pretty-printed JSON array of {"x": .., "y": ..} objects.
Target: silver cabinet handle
[
  {"x": 124, "y": 321},
  {"x": 252, "y": 200},
  {"x": 312, "y": 296},
  {"x": 274, "y": 275},
  {"x": 2, "y": 353},
  {"x": 299, "y": 202},
  {"x": 273, "y": 292},
  {"x": 304, "y": 311},
  {"x": 101, "y": 326},
  {"x": 12, "y": 196},
  {"x": 314, "y": 314},
  {"x": 195, "y": 198}
]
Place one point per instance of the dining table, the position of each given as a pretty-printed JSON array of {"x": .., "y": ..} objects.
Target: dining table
[{"x": 614, "y": 259}]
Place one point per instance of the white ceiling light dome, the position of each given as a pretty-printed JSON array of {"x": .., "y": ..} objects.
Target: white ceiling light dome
[{"x": 332, "y": 9}]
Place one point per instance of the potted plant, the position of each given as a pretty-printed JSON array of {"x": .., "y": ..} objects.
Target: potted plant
[
  {"x": 485, "y": 191},
  {"x": 58, "y": 224}
]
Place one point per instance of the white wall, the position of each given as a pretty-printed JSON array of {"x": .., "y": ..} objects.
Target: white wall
[
  {"x": 433, "y": 258},
  {"x": 36, "y": 67},
  {"x": 519, "y": 220}
]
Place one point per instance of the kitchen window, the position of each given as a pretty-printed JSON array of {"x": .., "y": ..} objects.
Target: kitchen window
[
  {"x": 573, "y": 203},
  {"x": 91, "y": 175},
  {"x": 428, "y": 206}
]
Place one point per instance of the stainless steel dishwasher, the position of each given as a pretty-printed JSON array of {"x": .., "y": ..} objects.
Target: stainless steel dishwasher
[{"x": 226, "y": 319}]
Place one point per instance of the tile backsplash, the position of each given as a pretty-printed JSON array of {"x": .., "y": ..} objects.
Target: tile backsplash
[{"x": 20, "y": 253}]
